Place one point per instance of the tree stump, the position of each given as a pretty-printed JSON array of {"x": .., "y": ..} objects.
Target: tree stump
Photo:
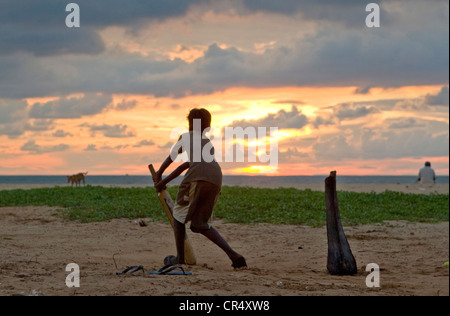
[{"x": 340, "y": 258}]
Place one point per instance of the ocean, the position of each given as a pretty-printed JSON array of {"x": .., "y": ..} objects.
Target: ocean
[{"x": 227, "y": 180}]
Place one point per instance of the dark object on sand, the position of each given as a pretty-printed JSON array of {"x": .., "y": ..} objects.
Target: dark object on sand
[
  {"x": 340, "y": 258},
  {"x": 143, "y": 223}
]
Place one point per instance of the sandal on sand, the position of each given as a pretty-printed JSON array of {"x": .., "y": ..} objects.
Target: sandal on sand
[
  {"x": 239, "y": 263},
  {"x": 131, "y": 270},
  {"x": 169, "y": 270}
]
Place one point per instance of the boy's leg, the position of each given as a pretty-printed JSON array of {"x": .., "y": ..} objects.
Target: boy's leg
[
  {"x": 203, "y": 200},
  {"x": 180, "y": 212},
  {"x": 180, "y": 232},
  {"x": 213, "y": 235}
]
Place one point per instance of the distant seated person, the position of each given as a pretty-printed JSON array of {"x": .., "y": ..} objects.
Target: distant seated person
[{"x": 427, "y": 175}]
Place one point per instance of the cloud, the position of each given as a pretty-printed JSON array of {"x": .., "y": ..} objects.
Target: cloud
[
  {"x": 429, "y": 126},
  {"x": 12, "y": 110},
  {"x": 344, "y": 111},
  {"x": 67, "y": 108},
  {"x": 351, "y": 111},
  {"x": 326, "y": 119},
  {"x": 111, "y": 131},
  {"x": 16, "y": 117},
  {"x": 114, "y": 74},
  {"x": 363, "y": 90},
  {"x": 100, "y": 13},
  {"x": 404, "y": 143},
  {"x": 410, "y": 105},
  {"x": 351, "y": 13},
  {"x": 144, "y": 143},
  {"x": 104, "y": 13},
  {"x": 403, "y": 123},
  {"x": 13, "y": 130},
  {"x": 91, "y": 147},
  {"x": 49, "y": 42},
  {"x": 61, "y": 134},
  {"x": 442, "y": 98},
  {"x": 430, "y": 102},
  {"x": 38, "y": 27},
  {"x": 293, "y": 119},
  {"x": 111, "y": 148},
  {"x": 353, "y": 58},
  {"x": 399, "y": 53},
  {"x": 348, "y": 12},
  {"x": 125, "y": 105},
  {"x": 293, "y": 102},
  {"x": 426, "y": 140},
  {"x": 34, "y": 148},
  {"x": 168, "y": 145},
  {"x": 39, "y": 125},
  {"x": 292, "y": 155},
  {"x": 13, "y": 117},
  {"x": 335, "y": 148}
]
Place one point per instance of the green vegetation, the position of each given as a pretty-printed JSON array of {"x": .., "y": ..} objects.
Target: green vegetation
[{"x": 236, "y": 205}]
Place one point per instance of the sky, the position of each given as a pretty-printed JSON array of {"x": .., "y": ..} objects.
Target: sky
[{"x": 106, "y": 97}]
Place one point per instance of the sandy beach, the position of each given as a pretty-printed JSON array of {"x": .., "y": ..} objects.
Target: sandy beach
[{"x": 36, "y": 247}]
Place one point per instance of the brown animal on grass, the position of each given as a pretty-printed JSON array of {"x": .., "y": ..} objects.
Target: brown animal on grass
[{"x": 77, "y": 178}]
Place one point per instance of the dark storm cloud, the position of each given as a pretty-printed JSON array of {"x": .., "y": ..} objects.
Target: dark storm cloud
[
  {"x": 97, "y": 13},
  {"x": 351, "y": 59},
  {"x": 404, "y": 52},
  {"x": 25, "y": 76},
  {"x": 348, "y": 12},
  {"x": 38, "y": 27},
  {"x": 332, "y": 58},
  {"x": 49, "y": 42}
]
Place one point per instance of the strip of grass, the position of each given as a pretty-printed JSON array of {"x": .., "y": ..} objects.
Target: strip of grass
[{"x": 237, "y": 205}]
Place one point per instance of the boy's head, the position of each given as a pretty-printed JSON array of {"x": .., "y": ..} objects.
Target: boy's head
[{"x": 199, "y": 114}]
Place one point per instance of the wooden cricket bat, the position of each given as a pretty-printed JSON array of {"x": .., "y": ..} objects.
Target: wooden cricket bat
[{"x": 167, "y": 203}]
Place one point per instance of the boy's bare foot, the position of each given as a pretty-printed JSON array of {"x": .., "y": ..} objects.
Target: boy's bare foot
[
  {"x": 239, "y": 263},
  {"x": 171, "y": 261}
]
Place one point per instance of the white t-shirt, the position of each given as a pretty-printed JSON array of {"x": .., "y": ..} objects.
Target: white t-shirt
[
  {"x": 427, "y": 175},
  {"x": 200, "y": 154}
]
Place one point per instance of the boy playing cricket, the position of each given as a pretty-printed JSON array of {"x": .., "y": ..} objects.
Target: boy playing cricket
[{"x": 199, "y": 190}]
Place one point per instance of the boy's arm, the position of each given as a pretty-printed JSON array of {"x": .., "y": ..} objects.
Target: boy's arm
[
  {"x": 161, "y": 185},
  {"x": 169, "y": 160},
  {"x": 163, "y": 168}
]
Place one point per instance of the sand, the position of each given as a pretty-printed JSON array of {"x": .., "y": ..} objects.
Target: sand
[{"x": 36, "y": 246}]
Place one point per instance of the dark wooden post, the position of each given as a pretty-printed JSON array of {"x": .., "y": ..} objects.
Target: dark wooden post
[{"x": 340, "y": 258}]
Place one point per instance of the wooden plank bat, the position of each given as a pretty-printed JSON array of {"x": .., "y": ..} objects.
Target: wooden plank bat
[{"x": 167, "y": 203}]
